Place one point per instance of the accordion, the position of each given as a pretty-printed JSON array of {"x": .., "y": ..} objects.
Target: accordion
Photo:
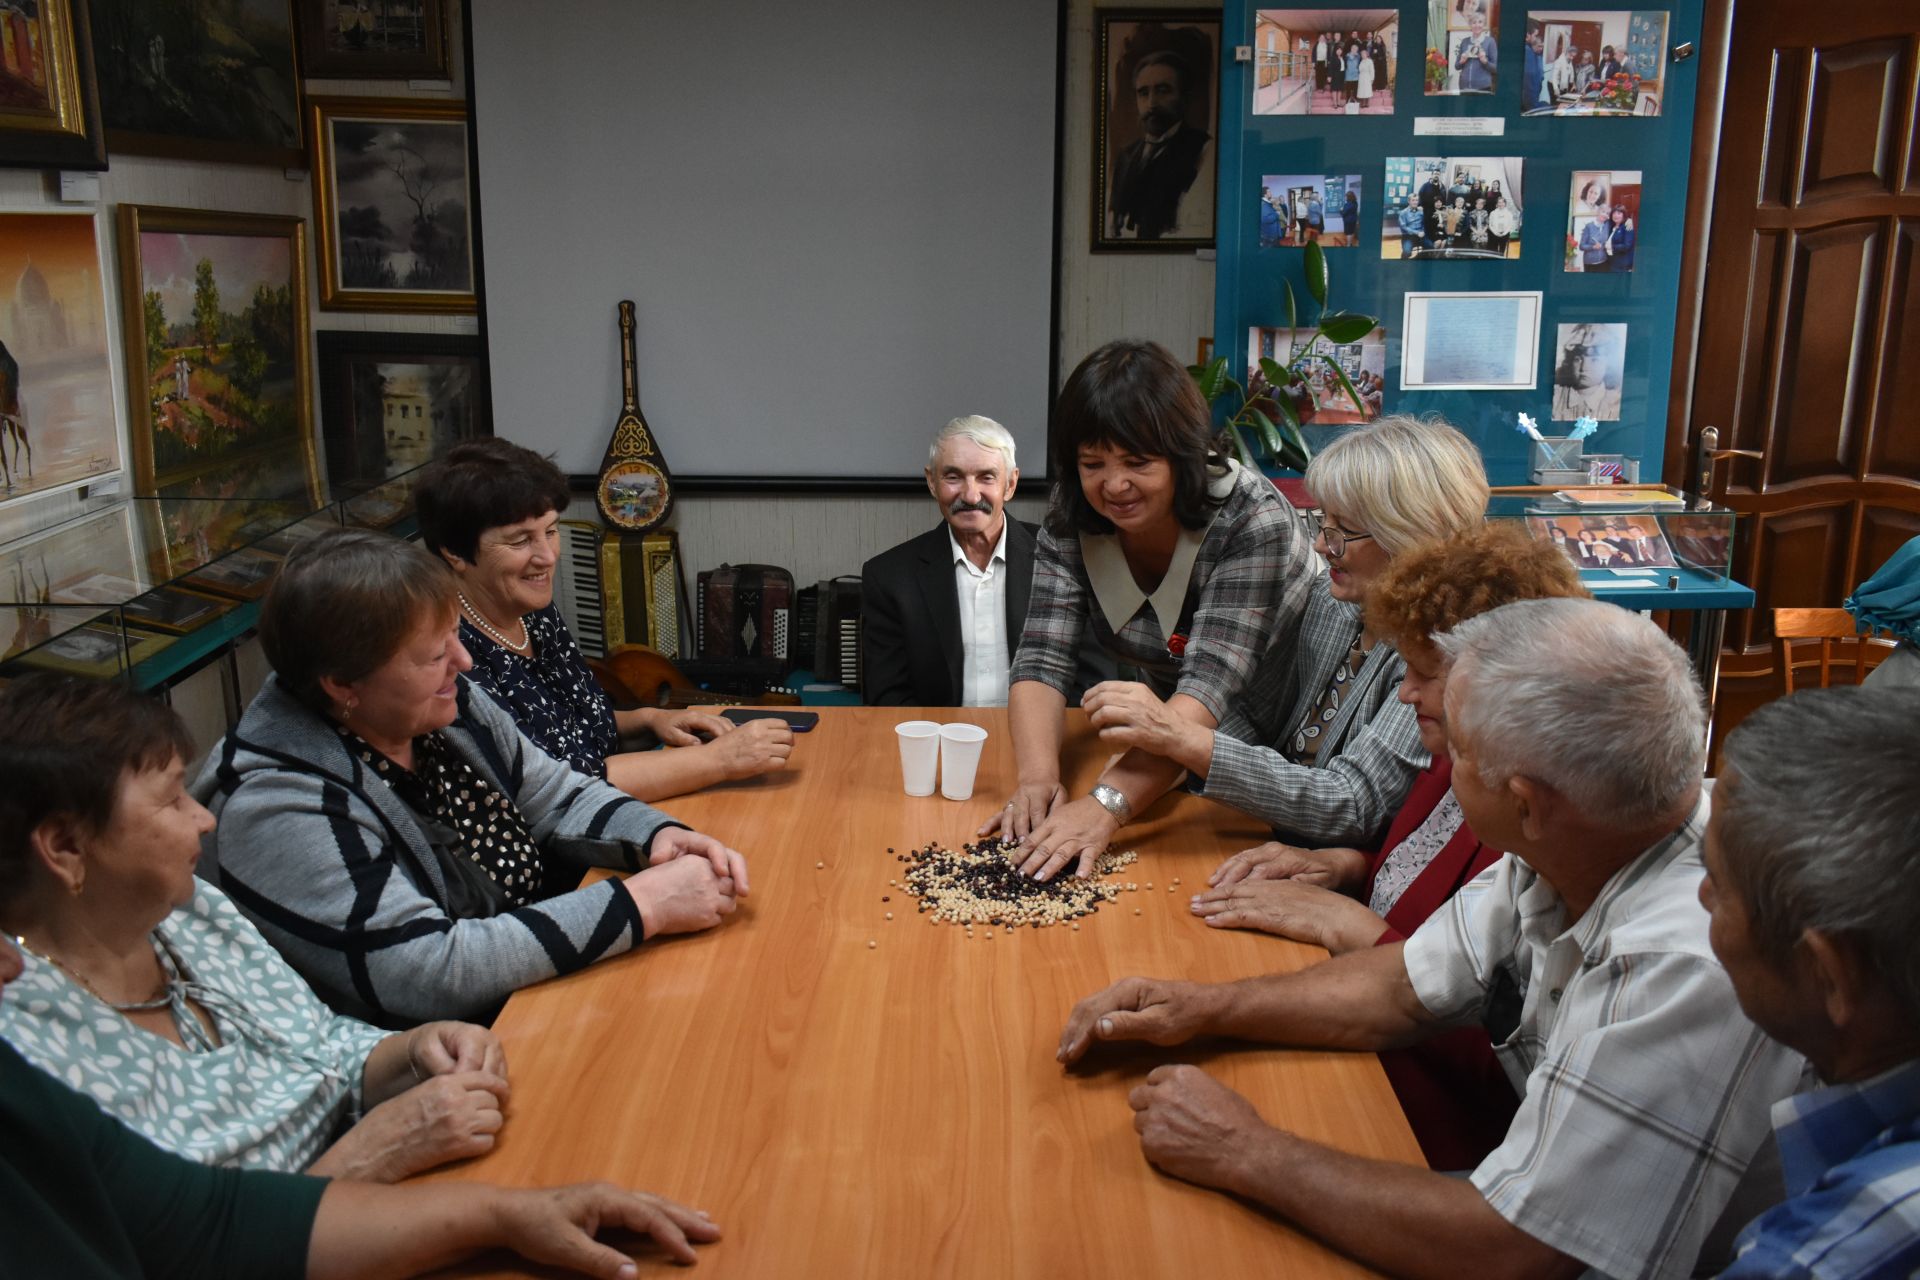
[
  {"x": 828, "y": 633},
  {"x": 618, "y": 589},
  {"x": 744, "y": 612}
]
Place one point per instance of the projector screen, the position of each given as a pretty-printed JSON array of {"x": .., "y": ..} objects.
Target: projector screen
[{"x": 835, "y": 221}]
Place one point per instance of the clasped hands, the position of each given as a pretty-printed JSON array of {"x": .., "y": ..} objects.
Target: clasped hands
[
  {"x": 1294, "y": 893},
  {"x": 692, "y": 882},
  {"x": 445, "y": 1092}
]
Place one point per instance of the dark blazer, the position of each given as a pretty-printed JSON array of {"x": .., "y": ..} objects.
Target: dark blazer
[
  {"x": 1147, "y": 189},
  {"x": 910, "y": 618}
]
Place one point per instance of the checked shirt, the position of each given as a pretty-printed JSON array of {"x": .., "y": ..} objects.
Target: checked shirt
[{"x": 1645, "y": 1091}]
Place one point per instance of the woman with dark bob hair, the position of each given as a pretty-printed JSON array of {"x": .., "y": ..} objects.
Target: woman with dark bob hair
[
  {"x": 392, "y": 832},
  {"x": 491, "y": 510},
  {"x": 1184, "y": 566}
]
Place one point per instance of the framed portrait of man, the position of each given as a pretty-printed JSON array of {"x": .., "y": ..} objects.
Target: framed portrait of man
[{"x": 1156, "y": 103}]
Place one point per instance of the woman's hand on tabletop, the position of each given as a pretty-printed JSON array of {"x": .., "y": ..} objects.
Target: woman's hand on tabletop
[
  {"x": 677, "y": 842},
  {"x": 1291, "y": 909},
  {"x": 751, "y": 749},
  {"x": 685, "y": 895},
  {"x": 1131, "y": 715},
  {"x": 1079, "y": 829},
  {"x": 1032, "y": 804},
  {"x": 688, "y": 727},
  {"x": 558, "y": 1226},
  {"x": 450, "y": 1117},
  {"x": 443, "y": 1048},
  {"x": 1338, "y": 869}
]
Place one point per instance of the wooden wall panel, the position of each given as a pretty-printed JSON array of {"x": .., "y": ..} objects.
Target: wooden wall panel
[
  {"x": 1883, "y": 531},
  {"x": 1827, "y": 312},
  {"x": 1895, "y": 453},
  {"x": 1780, "y": 143},
  {"x": 1806, "y": 551}
]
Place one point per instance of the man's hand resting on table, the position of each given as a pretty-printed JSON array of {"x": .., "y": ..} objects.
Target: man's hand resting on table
[
  {"x": 1194, "y": 1127},
  {"x": 1149, "y": 1009}
]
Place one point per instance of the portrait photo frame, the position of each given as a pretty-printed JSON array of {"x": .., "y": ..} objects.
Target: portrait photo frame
[
  {"x": 1155, "y": 196},
  {"x": 1471, "y": 341},
  {"x": 179, "y": 81},
  {"x": 373, "y": 39},
  {"x": 390, "y": 401},
  {"x": 52, "y": 114},
  {"x": 215, "y": 341},
  {"x": 393, "y": 201}
]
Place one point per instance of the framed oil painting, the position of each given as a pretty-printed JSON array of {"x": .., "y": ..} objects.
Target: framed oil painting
[
  {"x": 59, "y": 420},
  {"x": 215, "y": 322},
  {"x": 1156, "y": 98},
  {"x": 392, "y": 401},
  {"x": 393, "y": 201},
  {"x": 49, "y": 98},
  {"x": 194, "y": 80},
  {"x": 373, "y": 39}
]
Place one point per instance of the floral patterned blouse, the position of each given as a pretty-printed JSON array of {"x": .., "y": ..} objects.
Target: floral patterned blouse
[
  {"x": 550, "y": 694},
  {"x": 271, "y": 1091}
]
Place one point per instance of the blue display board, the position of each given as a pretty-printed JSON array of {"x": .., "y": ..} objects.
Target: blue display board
[{"x": 1550, "y": 149}]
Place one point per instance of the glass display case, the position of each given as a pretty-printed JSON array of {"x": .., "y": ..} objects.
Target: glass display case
[
  {"x": 1635, "y": 544},
  {"x": 146, "y": 588}
]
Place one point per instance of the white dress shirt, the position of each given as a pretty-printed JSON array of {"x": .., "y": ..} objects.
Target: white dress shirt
[{"x": 985, "y": 655}]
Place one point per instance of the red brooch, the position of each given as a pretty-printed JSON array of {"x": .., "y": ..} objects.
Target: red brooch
[{"x": 1176, "y": 644}]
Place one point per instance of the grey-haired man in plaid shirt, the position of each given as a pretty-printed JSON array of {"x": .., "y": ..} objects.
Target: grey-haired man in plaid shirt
[{"x": 1577, "y": 733}]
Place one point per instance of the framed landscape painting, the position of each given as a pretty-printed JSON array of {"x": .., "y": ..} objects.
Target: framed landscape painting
[
  {"x": 198, "y": 80},
  {"x": 373, "y": 39},
  {"x": 392, "y": 401},
  {"x": 215, "y": 321},
  {"x": 49, "y": 98},
  {"x": 393, "y": 201},
  {"x": 59, "y": 416}
]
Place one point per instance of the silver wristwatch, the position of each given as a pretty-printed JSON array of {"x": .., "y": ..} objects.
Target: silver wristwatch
[{"x": 1114, "y": 801}]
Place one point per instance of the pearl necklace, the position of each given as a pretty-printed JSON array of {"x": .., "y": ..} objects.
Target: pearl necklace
[
  {"x": 480, "y": 620},
  {"x": 160, "y": 1001}
]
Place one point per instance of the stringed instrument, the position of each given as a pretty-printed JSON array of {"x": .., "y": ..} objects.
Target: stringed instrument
[
  {"x": 636, "y": 676},
  {"x": 635, "y": 492}
]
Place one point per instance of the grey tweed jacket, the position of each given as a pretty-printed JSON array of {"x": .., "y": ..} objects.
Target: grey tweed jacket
[
  {"x": 338, "y": 874},
  {"x": 1368, "y": 757}
]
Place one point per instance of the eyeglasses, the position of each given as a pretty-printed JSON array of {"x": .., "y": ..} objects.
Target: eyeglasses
[{"x": 1335, "y": 538}]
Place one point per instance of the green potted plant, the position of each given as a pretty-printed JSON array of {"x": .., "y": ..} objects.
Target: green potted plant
[{"x": 1265, "y": 427}]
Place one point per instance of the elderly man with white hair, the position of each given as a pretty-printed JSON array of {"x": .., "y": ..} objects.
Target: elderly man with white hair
[
  {"x": 1577, "y": 736},
  {"x": 942, "y": 613}
]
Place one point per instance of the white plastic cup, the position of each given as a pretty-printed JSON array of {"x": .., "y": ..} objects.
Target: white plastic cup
[
  {"x": 919, "y": 754},
  {"x": 960, "y": 746}
]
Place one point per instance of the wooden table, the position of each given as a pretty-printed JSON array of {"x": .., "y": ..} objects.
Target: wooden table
[{"x": 896, "y": 1111}]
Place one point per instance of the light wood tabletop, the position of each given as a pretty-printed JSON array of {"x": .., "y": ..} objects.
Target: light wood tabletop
[{"x": 896, "y": 1110}]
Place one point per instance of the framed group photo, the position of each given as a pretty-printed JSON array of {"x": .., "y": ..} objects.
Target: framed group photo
[
  {"x": 393, "y": 202},
  {"x": 1325, "y": 62},
  {"x": 1452, "y": 207},
  {"x": 215, "y": 336},
  {"x": 373, "y": 39},
  {"x": 197, "y": 81},
  {"x": 1298, "y": 209},
  {"x": 1603, "y": 221},
  {"x": 1156, "y": 100},
  {"x": 1594, "y": 62},
  {"x": 392, "y": 401},
  {"x": 49, "y": 94}
]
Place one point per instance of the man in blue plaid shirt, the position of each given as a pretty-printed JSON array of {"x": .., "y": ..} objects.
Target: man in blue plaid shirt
[{"x": 1811, "y": 859}]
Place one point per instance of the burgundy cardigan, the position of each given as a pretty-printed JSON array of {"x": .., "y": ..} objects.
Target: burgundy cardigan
[{"x": 1453, "y": 1090}]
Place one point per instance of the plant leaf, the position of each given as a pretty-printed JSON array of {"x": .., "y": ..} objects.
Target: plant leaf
[
  {"x": 1293, "y": 314},
  {"x": 1269, "y": 434},
  {"x": 1316, "y": 263},
  {"x": 1295, "y": 452},
  {"x": 1239, "y": 446},
  {"x": 1342, "y": 327},
  {"x": 1277, "y": 374},
  {"x": 1359, "y": 405},
  {"x": 1209, "y": 378}
]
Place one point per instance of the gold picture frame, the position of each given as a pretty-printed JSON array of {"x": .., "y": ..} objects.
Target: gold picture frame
[
  {"x": 62, "y": 130},
  {"x": 228, "y": 379},
  {"x": 393, "y": 201}
]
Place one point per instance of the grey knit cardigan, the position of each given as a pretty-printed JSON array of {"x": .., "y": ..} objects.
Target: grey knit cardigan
[{"x": 337, "y": 872}]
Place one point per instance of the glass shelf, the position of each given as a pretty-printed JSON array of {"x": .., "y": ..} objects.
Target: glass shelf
[{"x": 1675, "y": 553}]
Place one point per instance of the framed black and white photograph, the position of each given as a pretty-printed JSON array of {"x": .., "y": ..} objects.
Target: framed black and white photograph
[
  {"x": 393, "y": 203},
  {"x": 392, "y": 401},
  {"x": 1471, "y": 342},
  {"x": 1594, "y": 62},
  {"x": 1156, "y": 100},
  {"x": 1451, "y": 208},
  {"x": 1588, "y": 368}
]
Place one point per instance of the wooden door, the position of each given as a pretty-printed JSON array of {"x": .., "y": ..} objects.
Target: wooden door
[{"x": 1808, "y": 349}]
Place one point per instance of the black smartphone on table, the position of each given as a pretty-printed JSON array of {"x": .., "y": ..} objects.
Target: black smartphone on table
[{"x": 798, "y": 721}]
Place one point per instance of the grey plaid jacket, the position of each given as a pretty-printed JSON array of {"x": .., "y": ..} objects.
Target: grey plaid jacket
[
  {"x": 1368, "y": 756},
  {"x": 1240, "y": 618}
]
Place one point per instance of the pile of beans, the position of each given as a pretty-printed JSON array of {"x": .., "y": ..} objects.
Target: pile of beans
[{"x": 980, "y": 884}]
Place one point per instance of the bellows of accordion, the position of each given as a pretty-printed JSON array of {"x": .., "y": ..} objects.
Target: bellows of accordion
[{"x": 615, "y": 589}]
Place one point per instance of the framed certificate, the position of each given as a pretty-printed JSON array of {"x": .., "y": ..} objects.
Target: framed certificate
[{"x": 1471, "y": 342}]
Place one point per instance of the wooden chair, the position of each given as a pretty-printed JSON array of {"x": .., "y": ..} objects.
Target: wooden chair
[{"x": 1827, "y": 626}]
